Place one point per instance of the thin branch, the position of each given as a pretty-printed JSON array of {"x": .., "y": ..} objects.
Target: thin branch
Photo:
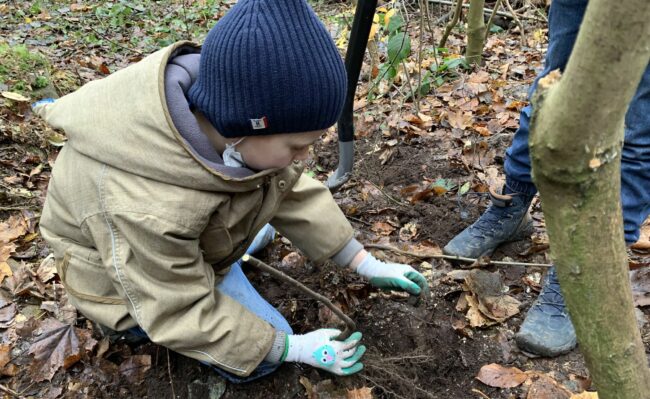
[
  {"x": 169, "y": 370},
  {"x": 452, "y": 23},
  {"x": 489, "y": 24},
  {"x": 488, "y": 11},
  {"x": 452, "y": 257},
  {"x": 517, "y": 20},
  {"x": 108, "y": 39},
  {"x": 350, "y": 326},
  {"x": 9, "y": 391}
]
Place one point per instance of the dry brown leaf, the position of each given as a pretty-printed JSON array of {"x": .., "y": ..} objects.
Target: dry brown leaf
[
  {"x": 547, "y": 388},
  {"x": 460, "y": 120},
  {"x": 382, "y": 228},
  {"x": 492, "y": 302},
  {"x": 57, "y": 346},
  {"x": 47, "y": 269},
  {"x": 475, "y": 317},
  {"x": 360, "y": 393},
  {"x": 293, "y": 260},
  {"x": 7, "y": 315},
  {"x": 135, "y": 367},
  {"x": 12, "y": 228},
  {"x": 14, "y": 96},
  {"x": 408, "y": 231},
  {"x": 5, "y": 355},
  {"x": 497, "y": 376},
  {"x": 585, "y": 395}
]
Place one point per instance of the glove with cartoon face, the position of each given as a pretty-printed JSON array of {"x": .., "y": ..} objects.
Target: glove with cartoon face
[{"x": 320, "y": 349}]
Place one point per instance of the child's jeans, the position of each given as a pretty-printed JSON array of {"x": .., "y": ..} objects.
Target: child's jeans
[
  {"x": 564, "y": 22},
  {"x": 236, "y": 285}
]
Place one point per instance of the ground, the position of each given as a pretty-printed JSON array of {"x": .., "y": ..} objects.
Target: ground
[{"x": 421, "y": 175}]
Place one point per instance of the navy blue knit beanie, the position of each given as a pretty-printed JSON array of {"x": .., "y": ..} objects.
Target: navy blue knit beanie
[{"x": 269, "y": 67}]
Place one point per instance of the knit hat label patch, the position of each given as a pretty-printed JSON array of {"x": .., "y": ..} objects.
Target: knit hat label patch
[{"x": 261, "y": 123}]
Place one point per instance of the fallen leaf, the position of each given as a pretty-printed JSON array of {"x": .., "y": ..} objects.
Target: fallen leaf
[
  {"x": 5, "y": 355},
  {"x": 58, "y": 346},
  {"x": 7, "y": 315},
  {"x": 382, "y": 228},
  {"x": 309, "y": 387},
  {"x": 475, "y": 317},
  {"x": 13, "y": 228},
  {"x": 47, "y": 269},
  {"x": 26, "y": 328},
  {"x": 460, "y": 120},
  {"x": 135, "y": 367},
  {"x": 293, "y": 260},
  {"x": 547, "y": 388},
  {"x": 497, "y": 376},
  {"x": 53, "y": 392},
  {"x": 488, "y": 289},
  {"x": 360, "y": 393},
  {"x": 15, "y": 96},
  {"x": 585, "y": 395},
  {"x": 408, "y": 231}
]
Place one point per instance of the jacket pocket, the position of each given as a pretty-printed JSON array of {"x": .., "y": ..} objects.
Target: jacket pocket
[{"x": 84, "y": 278}]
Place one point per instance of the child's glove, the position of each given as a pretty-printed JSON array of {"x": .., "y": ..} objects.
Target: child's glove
[
  {"x": 393, "y": 276},
  {"x": 319, "y": 349}
]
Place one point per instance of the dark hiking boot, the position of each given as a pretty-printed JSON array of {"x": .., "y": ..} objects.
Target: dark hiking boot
[
  {"x": 547, "y": 330},
  {"x": 133, "y": 336},
  {"x": 506, "y": 220}
]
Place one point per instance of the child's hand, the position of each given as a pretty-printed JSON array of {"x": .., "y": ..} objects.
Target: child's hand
[
  {"x": 319, "y": 349},
  {"x": 393, "y": 276}
]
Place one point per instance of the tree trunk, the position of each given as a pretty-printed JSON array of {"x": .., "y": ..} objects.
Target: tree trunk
[
  {"x": 575, "y": 145},
  {"x": 475, "y": 32}
]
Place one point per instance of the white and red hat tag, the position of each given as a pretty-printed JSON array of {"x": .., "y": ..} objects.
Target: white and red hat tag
[{"x": 261, "y": 123}]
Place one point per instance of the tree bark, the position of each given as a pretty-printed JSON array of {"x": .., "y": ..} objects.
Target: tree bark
[
  {"x": 575, "y": 145},
  {"x": 475, "y": 32}
]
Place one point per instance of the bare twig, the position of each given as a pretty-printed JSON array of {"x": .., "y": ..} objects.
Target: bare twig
[
  {"x": 476, "y": 391},
  {"x": 108, "y": 39},
  {"x": 488, "y": 11},
  {"x": 452, "y": 23},
  {"x": 169, "y": 370},
  {"x": 10, "y": 391},
  {"x": 517, "y": 21},
  {"x": 186, "y": 25},
  {"x": 452, "y": 257},
  {"x": 350, "y": 326},
  {"x": 489, "y": 24}
]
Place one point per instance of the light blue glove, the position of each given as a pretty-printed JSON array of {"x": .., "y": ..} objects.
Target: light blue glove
[
  {"x": 394, "y": 276},
  {"x": 319, "y": 349}
]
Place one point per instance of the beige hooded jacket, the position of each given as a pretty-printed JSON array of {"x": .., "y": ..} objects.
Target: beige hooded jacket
[{"x": 143, "y": 230}]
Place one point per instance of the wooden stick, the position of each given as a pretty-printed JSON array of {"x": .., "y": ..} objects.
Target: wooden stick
[
  {"x": 489, "y": 24},
  {"x": 9, "y": 391},
  {"x": 169, "y": 370},
  {"x": 517, "y": 21},
  {"x": 453, "y": 257},
  {"x": 350, "y": 326},
  {"x": 487, "y": 10},
  {"x": 452, "y": 23}
]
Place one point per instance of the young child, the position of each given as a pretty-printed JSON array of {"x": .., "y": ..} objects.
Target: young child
[{"x": 173, "y": 165}]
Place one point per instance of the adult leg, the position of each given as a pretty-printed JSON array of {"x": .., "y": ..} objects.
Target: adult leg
[{"x": 507, "y": 219}]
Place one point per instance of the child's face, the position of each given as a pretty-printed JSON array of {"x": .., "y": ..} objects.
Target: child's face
[{"x": 278, "y": 150}]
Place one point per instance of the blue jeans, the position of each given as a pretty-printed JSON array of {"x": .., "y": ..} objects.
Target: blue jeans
[
  {"x": 236, "y": 285},
  {"x": 565, "y": 18}
]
